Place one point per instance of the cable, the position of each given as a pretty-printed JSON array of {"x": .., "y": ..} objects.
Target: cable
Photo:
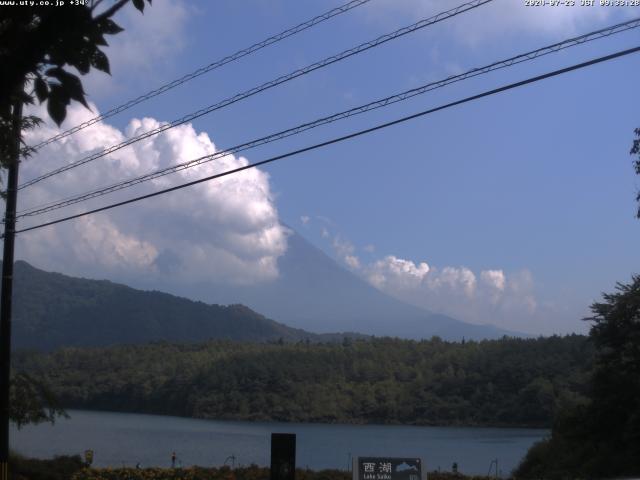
[
  {"x": 202, "y": 70},
  {"x": 341, "y": 139},
  {"x": 528, "y": 56},
  {"x": 265, "y": 86}
]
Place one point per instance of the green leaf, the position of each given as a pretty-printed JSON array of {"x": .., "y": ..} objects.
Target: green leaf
[
  {"x": 70, "y": 85},
  {"x": 139, "y": 4},
  {"x": 83, "y": 63},
  {"x": 57, "y": 104},
  {"x": 57, "y": 110},
  {"x": 110, "y": 27},
  {"x": 42, "y": 91},
  {"x": 100, "y": 61},
  {"x": 73, "y": 87}
]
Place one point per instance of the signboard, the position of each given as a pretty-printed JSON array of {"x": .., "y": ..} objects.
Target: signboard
[{"x": 387, "y": 468}]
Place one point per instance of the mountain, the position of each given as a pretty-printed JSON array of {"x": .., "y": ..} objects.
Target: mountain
[
  {"x": 51, "y": 310},
  {"x": 315, "y": 293}
]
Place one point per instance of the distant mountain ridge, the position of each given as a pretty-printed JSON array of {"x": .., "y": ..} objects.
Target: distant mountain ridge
[
  {"x": 312, "y": 293},
  {"x": 315, "y": 293},
  {"x": 51, "y": 310}
]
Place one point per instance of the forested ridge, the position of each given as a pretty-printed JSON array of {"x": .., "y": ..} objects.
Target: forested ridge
[
  {"x": 54, "y": 310},
  {"x": 507, "y": 382}
]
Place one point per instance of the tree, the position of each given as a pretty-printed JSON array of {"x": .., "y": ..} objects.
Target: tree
[
  {"x": 32, "y": 401},
  {"x": 615, "y": 409},
  {"x": 635, "y": 150},
  {"x": 38, "y": 46},
  {"x": 600, "y": 438}
]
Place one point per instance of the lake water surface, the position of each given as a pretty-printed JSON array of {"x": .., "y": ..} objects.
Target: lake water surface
[{"x": 126, "y": 439}]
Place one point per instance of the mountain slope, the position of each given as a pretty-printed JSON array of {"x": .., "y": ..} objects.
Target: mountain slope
[
  {"x": 315, "y": 293},
  {"x": 51, "y": 310}
]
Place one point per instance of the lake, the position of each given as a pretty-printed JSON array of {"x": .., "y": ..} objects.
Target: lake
[{"x": 125, "y": 439}]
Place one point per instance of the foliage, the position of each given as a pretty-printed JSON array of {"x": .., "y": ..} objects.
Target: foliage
[
  {"x": 510, "y": 382},
  {"x": 51, "y": 310},
  {"x": 58, "y": 468},
  {"x": 38, "y": 45},
  {"x": 225, "y": 473},
  {"x": 72, "y": 468},
  {"x": 635, "y": 150},
  {"x": 31, "y": 401},
  {"x": 601, "y": 437}
]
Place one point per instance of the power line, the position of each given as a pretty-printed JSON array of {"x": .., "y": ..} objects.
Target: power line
[
  {"x": 202, "y": 70},
  {"x": 265, "y": 86},
  {"x": 528, "y": 56},
  {"x": 343, "y": 138}
]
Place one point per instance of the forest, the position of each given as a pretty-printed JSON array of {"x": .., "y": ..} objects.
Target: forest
[{"x": 506, "y": 382}]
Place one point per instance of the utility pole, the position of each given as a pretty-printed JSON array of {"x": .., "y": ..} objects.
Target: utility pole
[{"x": 7, "y": 288}]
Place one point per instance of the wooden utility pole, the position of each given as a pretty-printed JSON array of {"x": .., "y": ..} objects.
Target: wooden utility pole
[{"x": 7, "y": 288}]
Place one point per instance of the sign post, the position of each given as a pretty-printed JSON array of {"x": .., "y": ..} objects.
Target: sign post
[
  {"x": 283, "y": 456},
  {"x": 387, "y": 468}
]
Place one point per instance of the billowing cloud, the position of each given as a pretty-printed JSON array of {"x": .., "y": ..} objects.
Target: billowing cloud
[
  {"x": 494, "y": 281},
  {"x": 494, "y": 278},
  {"x": 397, "y": 272},
  {"x": 489, "y": 296},
  {"x": 221, "y": 231}
]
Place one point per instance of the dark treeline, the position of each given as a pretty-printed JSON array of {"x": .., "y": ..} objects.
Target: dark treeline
[
  {"x": 600, "y": 438},
  {"x": 507, "y": 382}
]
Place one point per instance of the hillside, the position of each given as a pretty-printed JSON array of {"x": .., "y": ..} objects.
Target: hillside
[
  {"x": 509, "y": 382},
  {"x": 52, "y": 310},
  {"x": 315, "y": 293}
]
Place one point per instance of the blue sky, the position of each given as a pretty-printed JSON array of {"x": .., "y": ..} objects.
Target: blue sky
[{"x": 536, "y": 183}]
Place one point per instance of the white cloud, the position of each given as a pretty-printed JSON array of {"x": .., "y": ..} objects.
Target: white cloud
[
  {"x": 397, "y": 273},
  {"x": 492, "y": 296},
  {"x": 226, "y": 230},
  {"x": 498, "y": 298},
  {"x": 305, "y": 219},
  {"x": 494, "y": 281},
  {"x": 494, "y": 278},
  {"x": 352, "y": 261},
  {"x": 342, "y": 247},
  {"x": 98, "y": 241},
  {"x": 345, "y": 251},
  {"x": 502, "y": 18},
  {"x": 453, "y": 279},
  {"x": 146, "y": 48}
]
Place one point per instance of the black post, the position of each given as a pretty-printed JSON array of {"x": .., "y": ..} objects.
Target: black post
[
  {"x": 283, "y": 456},
  {"x": 7, "y": 290}
]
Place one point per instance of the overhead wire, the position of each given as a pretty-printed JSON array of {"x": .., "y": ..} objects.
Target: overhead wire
[
  {"x": 205, "y": 69},
  {"x": 265, "y": 86},
  {"x": 487, "y": 93},
  {"x": 514, "y": 60}
]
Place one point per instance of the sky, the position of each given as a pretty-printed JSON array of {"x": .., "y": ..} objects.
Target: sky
[{"x": 516, "y": 209}]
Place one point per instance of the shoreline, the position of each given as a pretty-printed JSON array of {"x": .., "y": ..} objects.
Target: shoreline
[{"x": 288, "y": 422}]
